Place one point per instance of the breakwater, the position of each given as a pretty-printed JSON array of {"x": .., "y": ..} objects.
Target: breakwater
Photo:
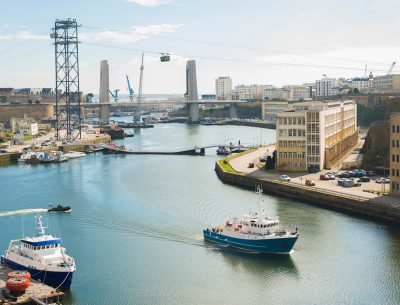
[{"x": 355, "y": 205}]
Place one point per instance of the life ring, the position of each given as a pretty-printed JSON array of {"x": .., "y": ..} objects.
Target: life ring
[
  {"x": 19, "y": 274},
  {"x": 17, "y": 284}
]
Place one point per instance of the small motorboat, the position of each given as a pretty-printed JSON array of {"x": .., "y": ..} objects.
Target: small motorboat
[{"x": 59, "y": 208}]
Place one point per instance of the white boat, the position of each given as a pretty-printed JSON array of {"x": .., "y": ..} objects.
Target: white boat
[
  {"x": 74, "y": 154},
  {"x": 254, "y": 232},
  {"x": 42, "y": 256},
  {"x": 26, "y": 156}
]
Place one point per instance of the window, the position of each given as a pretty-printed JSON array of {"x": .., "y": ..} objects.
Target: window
[
  {"x": 397, "y": 158},
  {"x": 393, "y": 158}
]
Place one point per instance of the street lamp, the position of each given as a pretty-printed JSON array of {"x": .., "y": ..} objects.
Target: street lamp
[{"x": 384, "y": 170}]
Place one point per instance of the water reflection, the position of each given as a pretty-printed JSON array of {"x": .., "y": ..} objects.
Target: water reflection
[{"x": 266, "y": 266}]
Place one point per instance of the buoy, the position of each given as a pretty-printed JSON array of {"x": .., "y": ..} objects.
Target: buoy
[
  {"x": 18, "y": 274},
  {"x": 17, "y": 284}
]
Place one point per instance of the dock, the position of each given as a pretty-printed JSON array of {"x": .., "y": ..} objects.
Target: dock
[{"x": 37, "y": 293}]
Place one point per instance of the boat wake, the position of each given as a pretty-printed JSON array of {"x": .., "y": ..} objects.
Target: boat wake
[{"x": 22, "y": 212}]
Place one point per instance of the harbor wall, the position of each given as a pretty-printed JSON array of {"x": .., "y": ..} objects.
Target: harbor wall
[
  {"x": 346, "y": 203},
  {"x": 9, "y": 157}
]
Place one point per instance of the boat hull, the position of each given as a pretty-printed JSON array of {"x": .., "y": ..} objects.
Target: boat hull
[
  {"x": 60, "y": 280},
  {"x": 277, "y": 245}
]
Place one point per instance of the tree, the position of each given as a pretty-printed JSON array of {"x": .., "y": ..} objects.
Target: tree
[
  {"x": 356, "y": 91},
  {"x": 37, "y": 102},
  {"x": 30, "y": 101}
]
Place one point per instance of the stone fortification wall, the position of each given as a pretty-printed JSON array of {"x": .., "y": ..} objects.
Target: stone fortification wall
[{"x": 36, "y": 111}]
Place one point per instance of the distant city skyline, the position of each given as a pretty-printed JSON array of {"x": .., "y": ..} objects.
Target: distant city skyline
[{"x": 256, "y": 42}]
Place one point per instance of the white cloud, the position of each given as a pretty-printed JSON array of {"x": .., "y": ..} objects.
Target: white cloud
[
  {"x": 137, "y": 33},
  {"x": 5, "y": 37},
  {"x": 25, "y": 35},
  {"x": 151, "y": 3}
]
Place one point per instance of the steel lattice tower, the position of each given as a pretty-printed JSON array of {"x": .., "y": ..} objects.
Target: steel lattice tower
[{"x": 68, "y": 101}]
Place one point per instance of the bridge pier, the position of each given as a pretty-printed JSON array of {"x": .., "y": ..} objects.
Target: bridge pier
[
  {"x": 233, "y": 111},
  {"x": 104, "y": 113},
  {"x": 193, "y": 112}
]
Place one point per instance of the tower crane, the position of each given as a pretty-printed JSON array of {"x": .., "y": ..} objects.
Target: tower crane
[
  {"x": 391, "y": 67},
  {"x": 131, "y": 92},
  {"x": 115, "y": 95}
]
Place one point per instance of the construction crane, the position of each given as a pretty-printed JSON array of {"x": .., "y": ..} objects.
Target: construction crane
[
  {"x": 391, "y": 67},
  {"x": 131, "y": 92},
  {"x": 114, "y": 95}
]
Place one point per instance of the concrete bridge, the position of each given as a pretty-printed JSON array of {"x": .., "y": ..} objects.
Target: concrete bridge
[{"x": 192, "y": 101}]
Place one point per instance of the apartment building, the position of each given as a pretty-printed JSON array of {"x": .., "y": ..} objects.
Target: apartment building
[
  {"x": 298, "y": 92},
  {"x": 223, "y": 88},
  {"x": 315, "y": 134},
  {"x": 244, "y": 92},
  {"x": 395, "y": 153},
  {"x": 389, "y": 83},
  {"x": 276, "y": 94},
  {"x": 328, "y": 86}
]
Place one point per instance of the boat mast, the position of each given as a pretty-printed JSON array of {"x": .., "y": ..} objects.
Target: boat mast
[{"x": 39, "y": 226}]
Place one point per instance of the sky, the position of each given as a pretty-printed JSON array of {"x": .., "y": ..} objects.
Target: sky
[{"x": 254, "y": 41}]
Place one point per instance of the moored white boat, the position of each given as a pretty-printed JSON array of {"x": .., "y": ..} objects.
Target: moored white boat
[
  {"x": 42, "y": 256},
  {"x": 74, "y": 154}
]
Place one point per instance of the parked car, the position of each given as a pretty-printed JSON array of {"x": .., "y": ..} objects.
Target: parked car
[
  {"x": 348, "y": 183},
  {"x": 324, "y": 177},
  {"x": 285, "y": 178},
  {"x": 365, "y": 179},
  {"x": 341, "y": 181},
  {"x": 370, "y": 173},
  {"x": 382, "y": 180},
  {"x": 356, "y": 181},
  {"x": 3, "y": 151},
  {"x": 344, "y": 175},
  {"x": 331, "y": 176},
  {"x": 251, "y": 165},
  {"x": 310, "y": 182}
]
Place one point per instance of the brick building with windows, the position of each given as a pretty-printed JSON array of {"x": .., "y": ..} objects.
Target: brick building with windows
[{"x": 395, "y": 153}]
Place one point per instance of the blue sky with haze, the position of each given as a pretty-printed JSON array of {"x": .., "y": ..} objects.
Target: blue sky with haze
[{"x": 266, "y": 42}]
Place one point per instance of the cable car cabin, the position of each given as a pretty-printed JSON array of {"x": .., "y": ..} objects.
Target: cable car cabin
[{"x": 164, "y": 58}]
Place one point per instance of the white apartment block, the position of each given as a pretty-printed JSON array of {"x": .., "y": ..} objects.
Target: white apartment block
[
  {"x": 223, "y": 88},
  {"x": 364, "y": 85},
  {"x": 315, "y": 134},
  {"x": 243, "y": 92},
  {"x": 328, "y": 86}
]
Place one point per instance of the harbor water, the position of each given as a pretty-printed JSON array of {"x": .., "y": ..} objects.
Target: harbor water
[{"x": 135, "y": 230}]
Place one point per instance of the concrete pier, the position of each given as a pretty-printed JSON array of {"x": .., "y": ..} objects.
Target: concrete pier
[{"x": 36, "y": 289}]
